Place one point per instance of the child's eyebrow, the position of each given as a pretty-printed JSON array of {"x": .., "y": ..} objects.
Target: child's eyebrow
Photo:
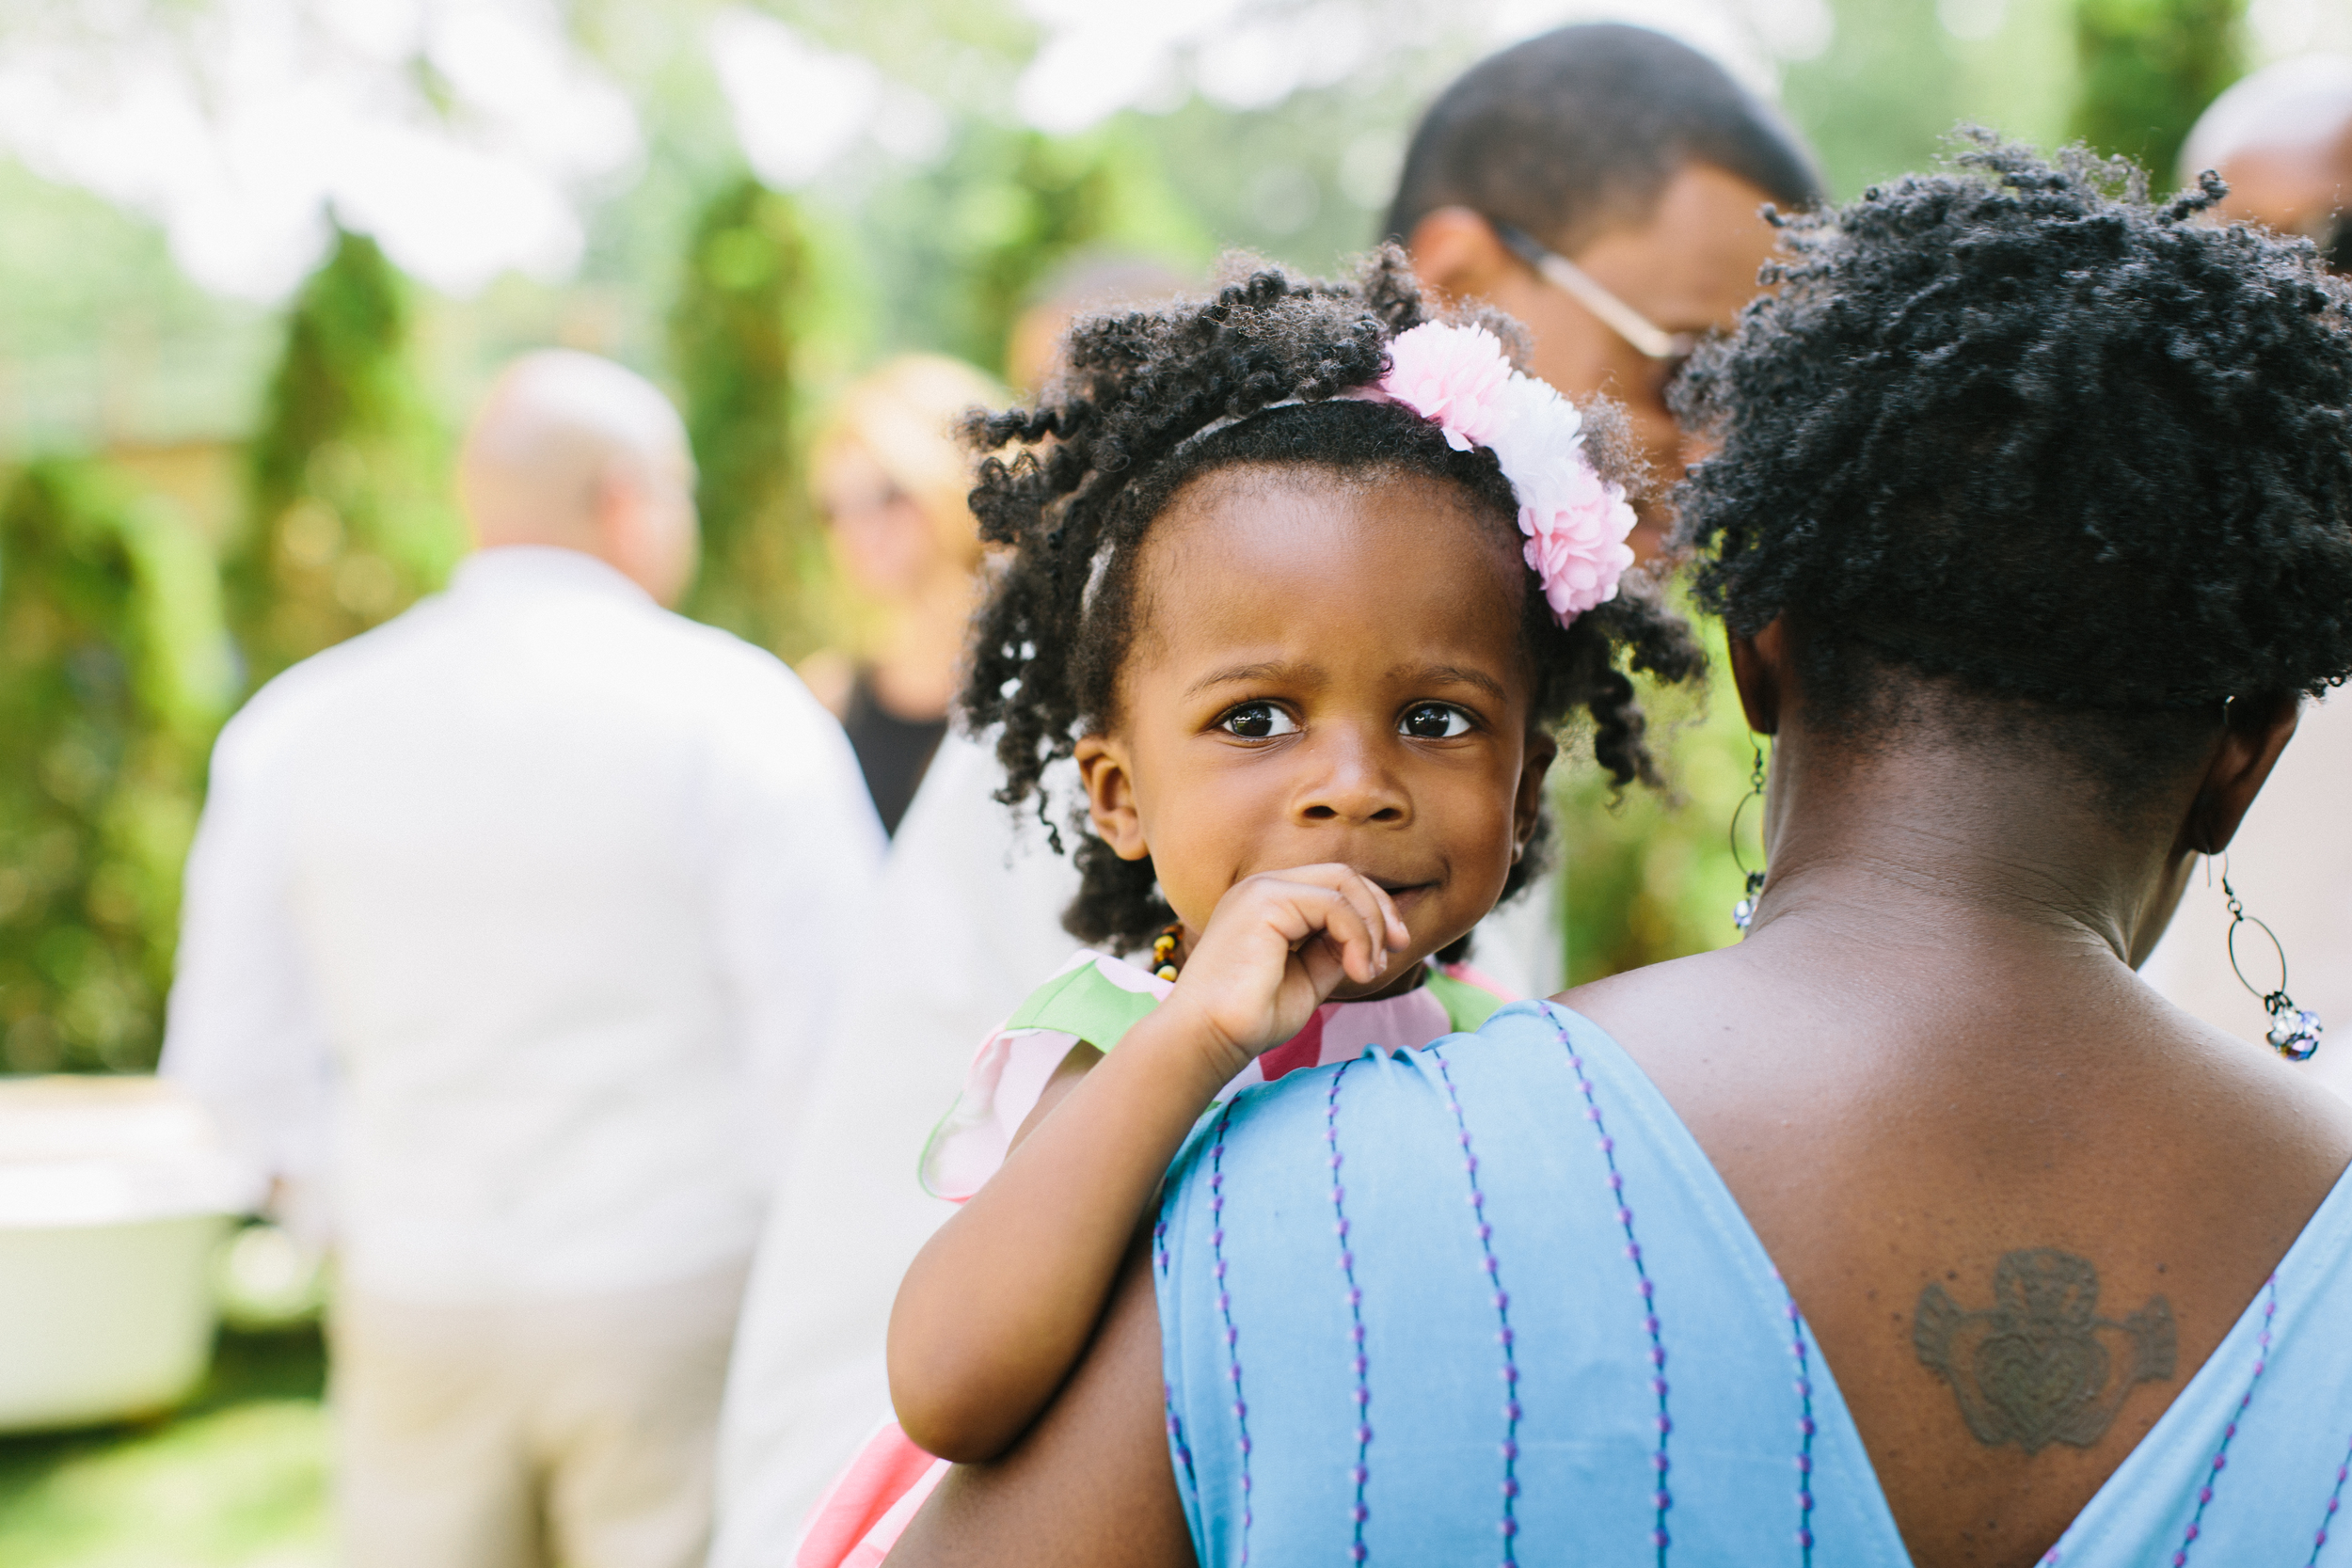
[
  {"x": 1315, "y": 675},
  {"x": 1307, "y": 675},
  {"x": 1455, "y": 675}
]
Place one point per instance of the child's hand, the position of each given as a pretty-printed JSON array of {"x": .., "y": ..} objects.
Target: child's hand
[{"x": 1277, "y": 946}]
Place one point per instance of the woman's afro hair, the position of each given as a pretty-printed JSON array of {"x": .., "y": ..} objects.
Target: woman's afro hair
[
  {"x": 1128, "y": 424},
  {"x": 2018, "y": 427}
]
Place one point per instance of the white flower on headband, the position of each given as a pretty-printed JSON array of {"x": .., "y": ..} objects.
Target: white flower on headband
[{"x": 1576, "y": 522}]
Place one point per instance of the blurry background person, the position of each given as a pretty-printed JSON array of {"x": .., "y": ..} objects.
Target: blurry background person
[
  {"x": 2282, "y": 139},
  {"x": 515, "y": 922},
  {"x": 1603, "y": 184},
  {"x": 891, "y": 479}
]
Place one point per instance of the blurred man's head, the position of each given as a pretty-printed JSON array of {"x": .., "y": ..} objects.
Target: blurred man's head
[
  {"x": 1635, "y": 157},
  {"x": 2282, "y": 138},
  {"x": 574, "y": 451}
]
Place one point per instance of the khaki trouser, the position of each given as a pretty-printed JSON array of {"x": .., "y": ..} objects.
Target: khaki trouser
[{"x": 574, "y": 1431}]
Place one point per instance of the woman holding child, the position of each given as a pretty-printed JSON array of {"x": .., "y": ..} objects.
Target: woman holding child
[{"x": 1915, "y": 1229}]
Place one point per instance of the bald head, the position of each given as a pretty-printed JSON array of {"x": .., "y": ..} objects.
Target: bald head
[
  {"x": 2282, "y": 138},
  {"x": 574, "y": 451}
]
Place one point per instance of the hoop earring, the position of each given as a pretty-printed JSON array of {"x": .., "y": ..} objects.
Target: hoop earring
[
  {"x": 2294, "y": 1031},
  {"x": 1743, "y": 912}
]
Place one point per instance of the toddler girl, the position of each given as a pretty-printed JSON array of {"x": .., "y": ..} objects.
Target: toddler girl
[{"x": 1304, "y": 578}]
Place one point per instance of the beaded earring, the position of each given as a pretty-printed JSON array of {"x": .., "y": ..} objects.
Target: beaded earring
[
  {"x": 1743, "y": 912},
  {"x": 2294, "y": 1031},
  {"x": 1164, "y": 952}
]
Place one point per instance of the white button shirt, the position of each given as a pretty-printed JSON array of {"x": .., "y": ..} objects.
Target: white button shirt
[{"x": 518, "y": 920}]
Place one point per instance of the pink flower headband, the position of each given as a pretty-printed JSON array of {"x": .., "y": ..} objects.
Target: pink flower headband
[{"x": 1576, "y": 523}]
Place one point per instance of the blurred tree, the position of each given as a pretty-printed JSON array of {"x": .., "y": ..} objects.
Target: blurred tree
[
  {"x": 732, "y": 342},
  {"x": 1881, "y": 98},
  {"x": 349, "y": 517},
  {"x": 113, "y": 673},
  {"x": 2148, "y": 68},
  {"x": 972, "y": 239}
]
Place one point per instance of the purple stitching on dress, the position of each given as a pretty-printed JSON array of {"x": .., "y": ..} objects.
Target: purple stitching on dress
[
  {"x": 1804, "y": 1428},
  {"x": 2221, "y": 1455},
  {"x": 1662, "y": 1499},
  {"x": 1225, "y": 1310},
  {"x": 1363, "y": 1471},
  {"x": 1176, "y": 1438},
  {"x": 2335, "y": 1500},
  {"x": 1493, "y": 1267}
]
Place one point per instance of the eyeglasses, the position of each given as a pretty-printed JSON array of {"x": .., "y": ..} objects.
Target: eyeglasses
[{"x": 1648, "y": 338}]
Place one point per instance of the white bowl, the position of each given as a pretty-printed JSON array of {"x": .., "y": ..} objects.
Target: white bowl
[{"x": 114, "y": 1197}]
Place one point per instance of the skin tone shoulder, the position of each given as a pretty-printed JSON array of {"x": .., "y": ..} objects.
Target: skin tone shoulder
[
  {"x": 1928, "y": 1074},
  {"x": 1323, "y": 741}
]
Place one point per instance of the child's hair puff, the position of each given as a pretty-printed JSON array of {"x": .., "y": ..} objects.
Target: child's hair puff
[{"x": 1128, "y": 424}]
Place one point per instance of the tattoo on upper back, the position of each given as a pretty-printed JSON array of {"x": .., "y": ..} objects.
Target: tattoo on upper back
[{"x": 2041, "y": 1366}]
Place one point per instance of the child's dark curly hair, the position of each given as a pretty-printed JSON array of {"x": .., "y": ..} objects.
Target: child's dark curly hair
[
  {"x": 2019, "y": 428},
  {"x": 1115, "y": 439}
]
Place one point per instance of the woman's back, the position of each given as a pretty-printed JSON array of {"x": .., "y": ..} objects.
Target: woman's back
[
  {"x": 1535, "y": 1218},
  {"x": 1918, "y": 1146}
]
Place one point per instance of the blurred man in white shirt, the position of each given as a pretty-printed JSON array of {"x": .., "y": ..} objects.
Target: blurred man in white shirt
[{"x": 511, "y": 928}]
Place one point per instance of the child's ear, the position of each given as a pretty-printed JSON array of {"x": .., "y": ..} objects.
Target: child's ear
[
  {"x": 1529, "y": 807},
  {"x": 1110, "y": 788}
]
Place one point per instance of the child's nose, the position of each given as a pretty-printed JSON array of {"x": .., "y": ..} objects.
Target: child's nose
[{"x": 1354, "y": 786}]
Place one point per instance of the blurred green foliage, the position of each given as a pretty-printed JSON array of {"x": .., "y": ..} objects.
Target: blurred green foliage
[
  {"x": 732, "y": 349},
  {"x": 1650, "y": 875},
  {"x": 349, "y": 517},
  {"x": 962, "y": 248},
  {"x": 113, "y": 676},
  {"x": 2148, "y": 70},
  {"x": 238, "y": 1478}
]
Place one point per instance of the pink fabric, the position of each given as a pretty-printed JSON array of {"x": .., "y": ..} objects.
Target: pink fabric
[
  {"x": 864, "y": 1512},
  {"x": 1304, "y": 1049}
]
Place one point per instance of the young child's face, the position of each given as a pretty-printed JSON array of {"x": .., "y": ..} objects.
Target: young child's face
[{"x": 1325, "y": 670}]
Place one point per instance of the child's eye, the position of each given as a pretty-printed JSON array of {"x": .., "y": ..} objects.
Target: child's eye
[
  {"x": 1259, "y": 722},
  {"x": 1434, "y": 721}
]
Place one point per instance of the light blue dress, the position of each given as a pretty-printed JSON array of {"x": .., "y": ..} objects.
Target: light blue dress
[{"x": 1489, "y": 1302}]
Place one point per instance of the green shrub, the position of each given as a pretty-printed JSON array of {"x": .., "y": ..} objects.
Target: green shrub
[
  {"x": 2148, "y": 68},
  {"x": 349, "y": 515},
  {"x": 114, "y": 674},
  {"x": 732, "y": 344}
]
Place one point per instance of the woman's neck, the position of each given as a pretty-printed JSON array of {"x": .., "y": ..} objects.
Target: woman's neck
[{"x": 1939, "y": 846}]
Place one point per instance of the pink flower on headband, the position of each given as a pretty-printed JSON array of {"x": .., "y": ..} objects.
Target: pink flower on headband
[
  {"x": 1451, "y": 375},
  {"x": 1575, "y": 521}
]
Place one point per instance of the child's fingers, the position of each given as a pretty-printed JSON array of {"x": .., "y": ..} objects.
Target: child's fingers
[
  {"x": 1390, "y": 921},
  {"x": 1346, "y": 929},
  {"x": 1364, "y": 958}
]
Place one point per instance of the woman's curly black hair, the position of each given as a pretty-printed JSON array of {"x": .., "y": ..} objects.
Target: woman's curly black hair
[
  {"x": 2018, "y": 427},
  {"x": 1128, "y": 425}
]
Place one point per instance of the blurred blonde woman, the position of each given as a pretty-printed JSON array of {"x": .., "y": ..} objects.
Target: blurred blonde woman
[{"x": 891, "y": 479}]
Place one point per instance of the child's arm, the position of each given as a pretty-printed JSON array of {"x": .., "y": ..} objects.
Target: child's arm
[{"x": 1000, "y": 1303}]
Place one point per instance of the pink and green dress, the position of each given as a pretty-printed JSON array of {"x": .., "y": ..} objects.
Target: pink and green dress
[{"x": 1094, "y": 998}]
